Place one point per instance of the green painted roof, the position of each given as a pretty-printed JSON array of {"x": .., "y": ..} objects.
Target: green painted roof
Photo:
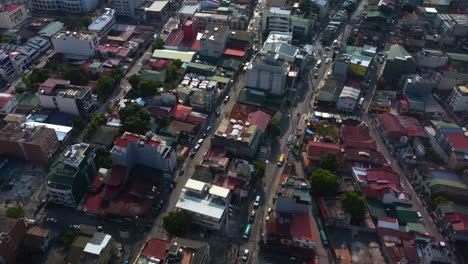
[
  {"x": 105, "y": 135},
  {"x": 51, "y": 29},
  {"x": 153, "y": 75},
  {"x": 407, "y": 214},
  {"x": 203, "y": 175},
  {"x": 416, "y": 227},
  {"x": 453, "y": 207},
  {"x": 329, "y": 93},
  {"x": 436, "y": 182},
  {"x": 441, "y": 124},
  {"x": 397, "y": 51},
  {"x": 184, "y": 56},
  {"x": 220, "y": 79},
  {"x": 376, "y": 208},
  {"x": 456, "y": 75},
  {"x": 95, "y": 64},
  {"x": 458, "y": 56},
  {"x": 201, "y": 66},
  {"x": 304, "y": 195}
]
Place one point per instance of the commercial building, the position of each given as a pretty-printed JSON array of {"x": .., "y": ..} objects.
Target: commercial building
[
  {"x": 348, "y": 99},
  {"x": 126, "y": 8},
  {"x": 103, "y": 24},
  {"x": 277, "y": 19},
  {"x": 7, "y": 103},
  {"x": 12, "y": 233},
  {"x": 12, "y": 15},
  {"x": 70, "y": 99},
  {"x": 205, "y": 19},
  {"x": 431, "y": 58},
  {"x": 157, "y": 12},
  {"x": 132, "y": 149},
  {"x": 70, "y": 175},
  {"x": 237, "y": 137},
  {"x": 206, "y": 204},
  {"x": 99, "y": 249},
  {"x": 63, "y": 6},
  {"x": 80, "y": 45},
  {"x": 213, "y": 40},
  {"x": 268, "y": 73},
  {"x": 399, "y": 62},
  {"x": 453, "y": 25},
  {"x": 179, "y": 249},
  {"x": 32, "y": 144},
  {"x": 458, "y": 100}
]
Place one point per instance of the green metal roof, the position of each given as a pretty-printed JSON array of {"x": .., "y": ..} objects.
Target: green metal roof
[
  {"x": 397, "y": 51},
  {"x": 453, "y": 207},
  {"x": 436, "y": 182},
  {"x": 201, "y": 66},
  {"x": 95, "y": 64},
  {"x": 153, "y": 75},
  {"x": 458, "y": 56},
  {"x": 407, "y": 214},
  {"x": 220, "y": 79},
  {"x": 441, "y": 124},
  {"x": 416, "y": 227},
  {"x": 376, "y": 208},
  {"x": 51, "y": 29},
  {"x": 329, "y": 93}
]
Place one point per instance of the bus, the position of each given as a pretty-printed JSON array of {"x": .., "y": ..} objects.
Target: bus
[
  {"x": 247, "y": 231},
  {"x": 281, "y": 160},
  {"x": 324, "y": 238}
]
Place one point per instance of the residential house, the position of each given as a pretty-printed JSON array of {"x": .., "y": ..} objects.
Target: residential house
[
  {"x": 184, "y": 250},
  {"x": 100, "y": 248},
  {"x": 70, "y": 99},
  {"x": 76, "y": 45},
  {"x": 456, "y": 225},
  {"x": 333, "y": 212},
  {"x": 131, "y": 149},
  {"x": 348, "y": 99},
  {"x": 387, "y": 222},
  {"x": 204, "y": 19},
  {"x": 206, "y": 204},
  {"x": 7, "y": 103},
  {"x": 63, "y": 6},
  {"x": 213, "y": 41},
  {"x": 37, "y": 240},
  {"x": 7, "y": 68},
  {"x": 70, "y": 175},
  {"x": 436, "y": 253},
  {"x": 454, "y": 142},
  {"x": 315, "y": 150},
  {"x": 358, "y": 59},
  {"x": 13, "y": 232},
  {"x": 36, "y": 145},
  {"x": 458, "y": 100},
  {"x": 12, "y": 15},
  {"x": 328, "y": 96},
  {"x": 448, "y": 79},
  {"x": 239, "y": 138},
  {"x": 363, "y": 158},
  {"x": 394, "y": 127},
  {"x": 21, "y": 62},
  {"x": 357, "y": 137},
  {"x": 435, "y": 181}
]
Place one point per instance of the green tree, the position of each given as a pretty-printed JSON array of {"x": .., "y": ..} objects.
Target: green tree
[
  {"x": 354, "y": 204},
  {"x": 148, "y": 88},
  {"x": 177, "y": 63},
  {"x": 7, "y": 39},
  {"x": 105, "y": 85},
  {"x": 86, "y": 21},
  {"x": 274, "y": 127},
  {"x": 74, "y": 23},
  {"x": 78, "y": 121},
  {"x": 408, "y": 7},
  {"x": 76, "y": 75},
  {"x": 104, "y": 160},
  {"x": 177, "y": 223},
  {"x": 68, "y": 236},
  {"x": 438, "y": 200},
  {"x": 329, "y": 162},
  {"x": 308, "y": 7},
  {"x": 134, "y": 80},
  {"x": 135, "y": 118},
  {"x": 259, "y": 168},
  {"x": 15, "y": 212},
  {"x": 172, "y": 73},
  {"x": 37, "y": 76},
  {"x": 157, "y": 44},
  {"x": 327, "y": 131},
  {"x": 117, "y": 73},
  {"x": 324, "y": 182}
]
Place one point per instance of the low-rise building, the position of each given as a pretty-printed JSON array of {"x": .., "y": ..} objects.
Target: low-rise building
[
  {"x": 454, "y": 25},
  {"x": 103, "y": 24},
  {"x": 7, "y": 103},
  {"x": 70, "y": 99},
  {"x": 268, "y": 73},
  {"x": 37, "y": 240},
  {"x": 21, "y": 62},
  {"x": 431, "y": 58},
  {"x": 13, "y": 232},
  {"x": 131, "y": 149},
  {"x": 213, "y": 40},
  {"x": 458, "y": 100},
  {"x": 7, "y": 68},
  {"x": 206, "y": 204},
  {"x": 157, "y": 12},
  {"x": 12, "y": 15},
  {"x": 80, "y": 45},
  {"x": 399, "y": 62},
  {"x": 454, "y": 142},
  {"x": 126, "y": 8},
  {"x": 32, "y": 144},
  {"x": 205, "y": 19},
  {"x": 238, "y": 138},
  {"x": 433, "y": 182},
  {"x": 277, "y": 19},
  {"x": 456, "y": 225},
  {"x": 99, "y": 249},
  {"x": 70, "y": 175},
  {"x": 348, "y": 99}
]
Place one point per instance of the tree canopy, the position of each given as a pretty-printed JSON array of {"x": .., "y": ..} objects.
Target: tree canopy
[
  {"x": 105, "y": 85},
  {"x": 259, "y": 168},
  {"x": 177, "y": 223},
  {"x": 157, "y": 44},
  {"x": 6, "y": 39},
  {"x": 148, "y": 88},
  {"x": 15, "y": 212},
  {"x": 327, "y": 131},
  {"x": 177, "y": 63},
  {"x": 308, "y": 7},
  {"x": 76, "y": 75},
  {"x": 117, "y": 73},
  {"x": 86, "y": 21},
  {"x": 37, "y": 76},
  {"x": 329, "y": 162},
  {"x": 408, "y": 7},
  {"x": 274, "y": 127},
  {"x": 324, "y": 182},
  {"x": 135, "y": 118},
  {"x": 134, "y": 80},
  {"x": 438, "y": 200},
  {"x": 354, "y": 204}
]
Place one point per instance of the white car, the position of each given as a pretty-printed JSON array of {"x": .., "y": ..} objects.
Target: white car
[
  {"x": 200, "y": 141},
  {"x": 51, "y": 220},
  {"x": 75, "y": 227},
  {"x": 327, "y": 61},
  {"x": 245, "y": 256}
]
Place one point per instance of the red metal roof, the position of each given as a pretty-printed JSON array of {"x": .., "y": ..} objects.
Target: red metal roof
[
  {"x": 357, "y": 137},
  {"x": 175, "y": 38},
  {"x": 180, "y": 112},
  {"x": 126, "y": 139},
  {"x": 388, "y": 219},
  {"x": 281, "y": 228},
  {"x": 398, "y": 126},
  {"x": 195, "y": 119},
  {"x": 302, "y": 227},
  {"x": 382, "y": 175},
  {"x": 242, "y": 111},
  {"x": 5, "y": 98},
  {"x": 318, "y": 149},
  {"x": 158, "y": 112},
  {"x": 459, "y": 221},
  {"x": 156, "y": 248},
  {"x": 459, "y": 140},
  {"x": 260, "y": 119},
  {"x": 11, "y": 8},
  {"x": 93, "y": 202},
  {"x": 231, "y": 183},
  {"x": 234, "y": 52},
  {"x": 50, "y": 84}
]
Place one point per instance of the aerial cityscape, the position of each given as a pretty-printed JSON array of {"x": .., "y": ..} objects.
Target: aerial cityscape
[{"x": 233, "y": 131}]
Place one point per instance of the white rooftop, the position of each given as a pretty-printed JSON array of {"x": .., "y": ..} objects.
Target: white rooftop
[
  {"x": 60, "y": 131},
  {"x": 280, "y": 11},
  {"x": 97, "y": 248},
  {"x": 219, "y": 191},
  {"x": 195, "y": 185},
  {"x": 157, "y": 6},
  {"x": 350, "y": 92},
  {"x": 102, "y": 21},
  {"x": 200, "y": 206}
]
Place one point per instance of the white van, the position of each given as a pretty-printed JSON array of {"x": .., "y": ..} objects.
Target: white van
[
  {"x": 257, "y": 201},
  {"x": 319, "y": 63}
]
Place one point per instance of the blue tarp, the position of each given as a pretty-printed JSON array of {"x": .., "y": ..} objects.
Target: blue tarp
[{"x": 308, "y": 131}]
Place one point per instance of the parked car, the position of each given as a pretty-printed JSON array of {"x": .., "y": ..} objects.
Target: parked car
[
  {"x": 252, "y": 217},
  {"x": 327, "y": 61},
  {"x": 245, "y": 256},
  {"x": 315, "y": 75},
  {"x": 257, "y": 201},
  {"x": 200, "y": 141},
  {"x": 51, "y": 220},
  {"x": 226, "y": 99},
  {"x": 75, "y": 227}
]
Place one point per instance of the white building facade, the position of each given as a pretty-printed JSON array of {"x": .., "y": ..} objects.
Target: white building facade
[
  {"x": 75, "y": 44},
  {"x": 458, "y": 99},
  {"x": 12, "y": 15},
  {"x": 348, "y": 99},
  {"x": 126, "y": 8},
  {"x": 277, "y": 19},
  {"x": 267, "y": 73},
  {"x": 8, "y": 102},
  {"x": 64, "y": 6}
]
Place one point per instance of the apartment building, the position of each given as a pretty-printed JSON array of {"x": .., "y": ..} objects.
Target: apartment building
[
  {"x": 70, "y": 175},
  {"x": 7, "y": 69},
  {"x": 268, "y": 73},
  {"x": 103, "y": 24},
  {"x": 348, "y": 99},
  {"x": 12, "y": 233},
  {"x": 59, "y": 94},
  {"x": 454, "y": 25},
  {"x": 125, "y": 8},
  {"x": 63, "y": 6},
  {"x": 80, "y": 45},
  {"x": 206, "y": 204},
  {"x": 12, "y": 15},
  {"x": 213, "y": 40},
  {"x": 277, "y": 19},
  {"x": 458, "y": 100},
  {"x": 131, "y": 149},
  {"x": 37, "y": 144},
  {"x": 7, "y": 103}
]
